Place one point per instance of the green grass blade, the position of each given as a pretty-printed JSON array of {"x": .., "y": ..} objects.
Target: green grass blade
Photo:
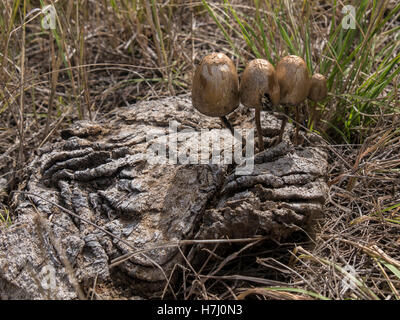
[
  {"x": 285, "y": 37},
  {"x": 244, "y": 31},
  {"x": 216, "y": 20}
]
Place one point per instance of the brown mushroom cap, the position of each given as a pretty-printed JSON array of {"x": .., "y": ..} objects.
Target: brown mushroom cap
[
  {"x": 215, "y": 88},
  {"x": 259, "y": 79},
  {"x": 294, "y": 80},
  {"x": 318, "y": 88}
]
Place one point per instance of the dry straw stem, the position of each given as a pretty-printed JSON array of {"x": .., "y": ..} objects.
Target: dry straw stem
[
  {"x": 281, "y": 293},
  {"x": 22, "y": 95},
  {"x": 364, "y": 290},
  {"x": 375, "y": 252},
  {"x": 41, "y": 230}
]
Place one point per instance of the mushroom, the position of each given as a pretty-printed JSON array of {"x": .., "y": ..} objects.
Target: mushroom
[
  {"x": 294, "y": 83},
  {"x": 259, "y": 83},
  {"x": 215, "y": 88},
  {"x": 318, "y": 88},
  {"x": 318, "y": 91}
]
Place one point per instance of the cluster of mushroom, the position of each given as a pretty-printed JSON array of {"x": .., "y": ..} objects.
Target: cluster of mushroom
[{"x": 216, "y": 91}]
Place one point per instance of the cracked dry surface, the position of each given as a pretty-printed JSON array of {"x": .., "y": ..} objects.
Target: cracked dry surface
[{"x": 102, "y": 173}]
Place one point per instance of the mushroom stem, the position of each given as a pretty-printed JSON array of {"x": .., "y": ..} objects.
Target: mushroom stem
[
  {"x": 283, "y": 124},
  {"x": 313, "y": 115},
  {"x": 297, "y": 119},
  {"x": 259, "y": 130},
  {"x": 259, "y": 85},
  {"x": 228, "y": 125}
]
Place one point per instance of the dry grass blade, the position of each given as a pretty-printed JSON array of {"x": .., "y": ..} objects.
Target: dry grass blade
[
  {"x": 22, "y": 95},
  {"x": 364, "y": 290},
  {"x": 271, "y": 294},
  {"x": 390, "y": 282},
  {"x": 281, "y": 293},
  {"x": 41, "y": 228},
  {"x": 375, "y": 252}
]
